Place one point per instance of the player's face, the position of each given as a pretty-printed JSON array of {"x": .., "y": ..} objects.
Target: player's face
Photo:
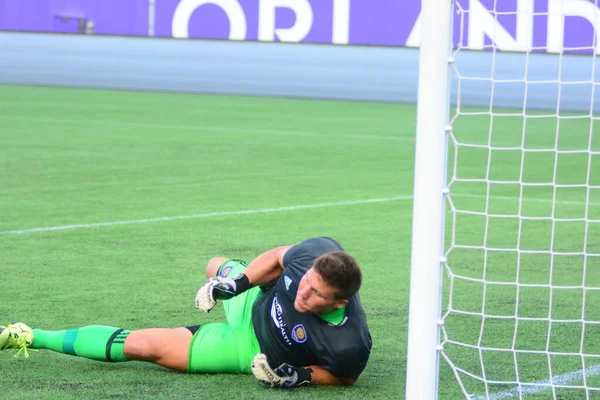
[{"x": 316, "y": 296}]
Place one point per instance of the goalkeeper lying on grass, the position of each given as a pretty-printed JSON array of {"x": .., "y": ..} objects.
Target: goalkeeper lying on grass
[{"x": 294, "y": 318}]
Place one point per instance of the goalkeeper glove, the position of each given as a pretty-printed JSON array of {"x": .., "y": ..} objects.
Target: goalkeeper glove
[
  {"x": 284, "y": 376},
  {"x": 219, "y": 288}
]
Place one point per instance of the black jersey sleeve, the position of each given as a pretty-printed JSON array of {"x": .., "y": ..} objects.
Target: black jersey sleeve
[
  {"x": 301, "y": 256},
  {"x": 350, "y": 362}
]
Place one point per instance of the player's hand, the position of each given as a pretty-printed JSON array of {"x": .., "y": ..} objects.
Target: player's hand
[
  {"x": 219, "y": 288},
  {"x": 284, "y": 376}
]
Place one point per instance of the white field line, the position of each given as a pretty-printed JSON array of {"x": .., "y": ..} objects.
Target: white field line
[
  {"x": 244, "y": 212},
  {"x": 533, "y": 388},
  {"x": 207, "y": 215},
  {"x": 200, "y": 128}
]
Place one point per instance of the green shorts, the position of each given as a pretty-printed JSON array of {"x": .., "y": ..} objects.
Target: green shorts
[{"x": 220, "y": 347}]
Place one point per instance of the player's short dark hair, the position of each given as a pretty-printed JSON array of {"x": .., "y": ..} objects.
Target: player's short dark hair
[{"x": 340, "y": 270}]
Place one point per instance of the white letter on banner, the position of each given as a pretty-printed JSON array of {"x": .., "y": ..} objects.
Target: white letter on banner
[
  {"x": 558, "y": 10},
  {"x": 185, "y": 9},
  {"x": 341, "y": 22},
  {"x": 266, "y": 20},
  {"x": 414, "y": 39},
  {"x": 482, "y": 23}
]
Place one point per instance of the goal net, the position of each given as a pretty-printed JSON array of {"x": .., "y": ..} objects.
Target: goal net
[{"x": 520, "y": 309}]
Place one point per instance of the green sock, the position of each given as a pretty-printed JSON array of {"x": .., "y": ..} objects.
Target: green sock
[{"x": 102, "y": 343}]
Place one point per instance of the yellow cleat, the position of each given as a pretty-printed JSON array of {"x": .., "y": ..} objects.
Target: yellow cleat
[{"x": 16, "y": 336}]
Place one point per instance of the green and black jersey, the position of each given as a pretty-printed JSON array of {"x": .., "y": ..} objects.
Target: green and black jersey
[{"x": 301, "y": 339}]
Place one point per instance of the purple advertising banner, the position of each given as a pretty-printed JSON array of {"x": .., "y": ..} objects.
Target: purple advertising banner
[
  {"x": 107, "y": 17},
  {"x": 512, "y": 25}
]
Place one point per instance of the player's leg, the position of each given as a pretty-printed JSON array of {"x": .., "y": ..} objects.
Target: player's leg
[
  {"x": 97, "y": 342},
  {"x": 212, "y": 268},
  {"x": 227, "y": 347},
  {"x": 162, "y": 346}
]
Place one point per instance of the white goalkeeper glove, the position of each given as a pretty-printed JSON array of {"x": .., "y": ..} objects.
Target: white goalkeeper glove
[
  {"x": 219, "y": 288},
  {"x": 284, "y": 376}
]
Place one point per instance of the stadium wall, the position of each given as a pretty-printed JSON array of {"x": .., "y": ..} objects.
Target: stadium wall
[{"x": 292, "y": 70}]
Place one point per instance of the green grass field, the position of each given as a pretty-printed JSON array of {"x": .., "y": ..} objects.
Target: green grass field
[
  {"x": 112, "y": 203},
  {"x": 228, "y": 166}
]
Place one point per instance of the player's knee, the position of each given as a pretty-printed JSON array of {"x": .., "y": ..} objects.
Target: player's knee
[
  {"x": 139, "y": 346},
  {"x": 213, "y": 266}
]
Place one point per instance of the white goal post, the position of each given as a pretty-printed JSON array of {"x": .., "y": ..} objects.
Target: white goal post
[{"x": 428, "y": 209}]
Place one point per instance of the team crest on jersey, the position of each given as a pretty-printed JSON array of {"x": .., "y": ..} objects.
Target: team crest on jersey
[
  {"x": 299, "y": 333},
  {"x": 288, "y": 282},
  {"x": 226, "y": 271}
]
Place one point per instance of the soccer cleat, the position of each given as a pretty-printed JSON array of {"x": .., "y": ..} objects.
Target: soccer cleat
[{"x": 16, "y": 336}]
